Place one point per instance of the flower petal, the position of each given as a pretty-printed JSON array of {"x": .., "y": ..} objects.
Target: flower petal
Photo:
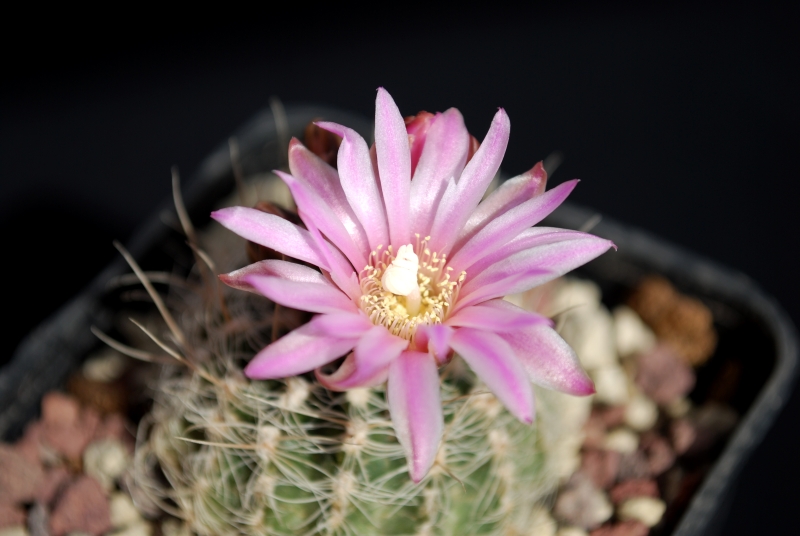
[
  {"x": 324, "y": 180},
  {"x": 416, "y": 409},
  {"x": 493, "y": 360},
  {"x": 555, "y": 259},
  {"x": 368, "y": 365},
  {"x": 311, "y": 205},
  {"x": 443, "y": 157},
  {"x": 435, "y": 338},
  {"x": 308, "y": 347},
  {"x": 341, "y": 271},
  {"x": 474, "y": 180},
  {"x": 549, "y": 360},
  {"x": 510, "y": 194},
  {"x": 359, "y": 184},
  {"x": 498, "y": 320},
  {"x": 502, "y": 287},
  {"x": 271, "y": 231},
  {"x": 506, "y": 226},
  {"x": 394, "y": 165},
  {"x": 271, "y": 267},
  {"x": 315, "y": 297}
]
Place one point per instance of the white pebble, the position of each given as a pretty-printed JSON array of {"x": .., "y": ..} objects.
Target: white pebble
[
  {"x": 542, "y": 523},
  {"x": 679, "y": 407},
  {"x": 105, "y": 367},
  {"x": 571, "y": 531},
  {"x": 174, "y": 527},
  {"x": 123, "y": 512},
  {"x": 648, "y": 510},
  {"x": 641, "y": 413},
  {"x": 18, "y": 530},
  {"x": 632, "y": 335},
  {"x": 611, "y": 384},
  {"x": 143, "y": 528},
  {"x": 590, "y": 332},
  {"x": 622, "y": 440},
  {"x": 105, "y": 460}
]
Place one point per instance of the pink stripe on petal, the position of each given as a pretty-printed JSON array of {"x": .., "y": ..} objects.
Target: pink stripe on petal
[
  {"x": 473, "y": 182},
  {"x": 311, "y": 205},
  {"x": 359, "y": 184},
  {"x": 313, "y": 297},
  {"x": 271, "y": 231},
  {"x": 443, "y": 157},
  {"x": 435, "y": 339},
  {"x": 494, "y": 362},
  {"x": 507, "y": 226},
  {"x": 503, "y": 305},
  {"x": 300, "y": 351},
  {"x": 324, "y": 180},
  {"x": 368, "y": 365},
  {"x": 416, "y": 409},
  {"x": 549, "y": 361},
  {"x": 286, "y": 270},
  {"x": 495, "y": 319},
  {"x": 394, "y": 164},
  {"x": 554, "y": 259},
  {"x": 341, "y": 271},
  {"x": 510, "y": 194}
]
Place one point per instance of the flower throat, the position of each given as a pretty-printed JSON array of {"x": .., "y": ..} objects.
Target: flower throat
[{"x": 404, "y": 290}]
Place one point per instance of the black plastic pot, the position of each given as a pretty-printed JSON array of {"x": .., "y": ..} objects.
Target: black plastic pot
[{"x": 753, "y": 328}]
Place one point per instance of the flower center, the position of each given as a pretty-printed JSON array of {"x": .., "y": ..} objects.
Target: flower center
[{"x": 405, "y": 290}]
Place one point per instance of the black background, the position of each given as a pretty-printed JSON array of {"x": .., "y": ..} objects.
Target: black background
[{"x": 680, "y": 119}]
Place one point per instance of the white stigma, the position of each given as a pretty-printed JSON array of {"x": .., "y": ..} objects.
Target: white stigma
[{"x": 400, "y": 277}]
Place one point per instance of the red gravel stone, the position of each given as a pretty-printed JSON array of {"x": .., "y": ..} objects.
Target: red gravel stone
[
  {"x": 633, "y": 466},
  {"x": 53, "y": 481},
  {"x": 682, "y": 433},
  {"x": 634, "y": 488},
  {"x": 115, "y": 426},
  {"x": 594, "y": 431},
  {"x": 69, "y": 437},
  {"x": 29, "y": 445},
  {"x": 660, "y": 456},
  {"x": 83, "y": 507},
  {"x": 19, "y": 478},
  {"x": 663, "y": 375},
  {"x": 60, "y": 409},
  {"x": 613, "y": 416},
  {"x": 601, "y": 466},
  {"x": 11, "y": 516},
  {"x": 626, "y": 528}
]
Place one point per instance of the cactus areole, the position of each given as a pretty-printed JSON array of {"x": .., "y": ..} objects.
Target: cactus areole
[{"x": 413, "y": 267}]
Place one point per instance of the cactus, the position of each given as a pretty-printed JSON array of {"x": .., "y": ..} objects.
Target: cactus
[{"x": 285, "y": 457}]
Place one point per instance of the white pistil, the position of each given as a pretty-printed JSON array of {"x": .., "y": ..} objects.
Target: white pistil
[{"x": 400, "y": 277}]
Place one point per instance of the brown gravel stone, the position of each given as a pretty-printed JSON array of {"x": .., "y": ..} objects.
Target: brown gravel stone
[
  {"x": 69, "y": 437},
  {"x": 660, "y": 456},
  {"x": 663, "y": 376},
  {"x": 633, "y": 466},
  {"x": 634, "y": 488},
  {"x": 115, "y": 426},
  {"x": 594, "y": 431},
  {"x": 19, "y": 477},
  {"x": 626, "y": 528},
  {"x": 712, "y": 422},
  {"x": 682, "y": 434},
  {"x": 54, "y": 480},
  {"x": 83, "y": 507},
  {"x": 11, "y": 516},
  {"x": 601, "y": 466},
  {"x": 611, "y": 416},
  {"x": 60, "y": 409}
]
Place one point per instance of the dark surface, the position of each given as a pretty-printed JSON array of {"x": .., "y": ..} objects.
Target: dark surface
[{"x": 680, "y": 120}]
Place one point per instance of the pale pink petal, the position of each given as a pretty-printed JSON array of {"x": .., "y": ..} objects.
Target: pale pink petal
[
  {"x": 435, "y": 338},
  {"x": 549, "y": 360},
  {"x": 443, "y": 157},
  {"x": 324, "y": 180},
  {"x": 502, "y": 287},
  {"x": 368, "y": 365},
  {"x": 359, "y": 183},
  {"x": 306, "y": 348},
  {"x": 507, "y": 226},
  {"x": 555, "y": 259},
  {"x": 474, "y": 180},
  {"x": 416, "y": 409},
  {"x": 311, "y": 205},
  {"x": 394, "y": 164},
  {"x": 272, "y": 232},
  {"x": 286, "y": 270},
  {"x": 341, "y": 271},
  {"x": 318, "y": 297},
  {"x": 494, "y": 362},
  {"x": 495, "y": 319},
  {"x": 508, "y": 195}
]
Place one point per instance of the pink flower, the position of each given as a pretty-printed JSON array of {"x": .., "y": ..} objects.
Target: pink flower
[{"x": 413, "y": 268}]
